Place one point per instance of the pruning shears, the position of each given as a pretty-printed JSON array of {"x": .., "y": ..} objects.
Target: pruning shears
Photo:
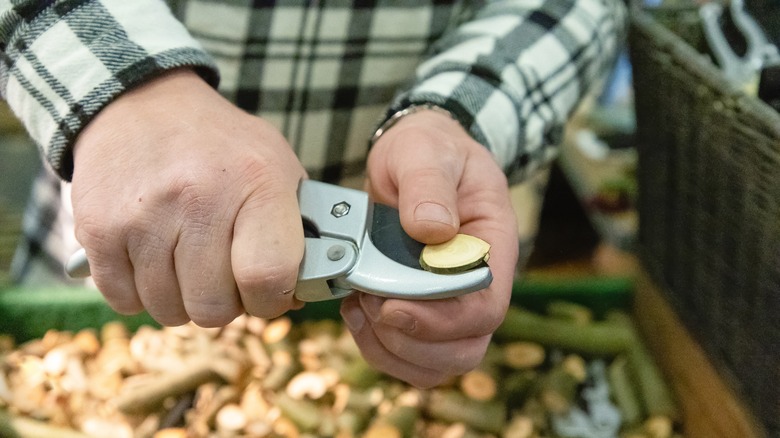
[
  {"x": 352, "y": 243},
  {"x": 747, "y": 69}
]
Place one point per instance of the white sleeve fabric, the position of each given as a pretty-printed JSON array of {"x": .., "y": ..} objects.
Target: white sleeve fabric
[{"x": 63, "y": 61}]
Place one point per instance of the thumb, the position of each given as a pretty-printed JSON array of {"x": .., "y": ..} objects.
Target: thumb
[
  {"x": 423, "y": 158},
  {"x": 427, "y": 198}
]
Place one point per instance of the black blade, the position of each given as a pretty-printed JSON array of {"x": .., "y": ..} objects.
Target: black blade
[{"x": 389, "y": 237}]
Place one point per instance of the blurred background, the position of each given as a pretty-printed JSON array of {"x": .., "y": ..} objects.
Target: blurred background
[
  {"x": 663, "y": 204},
  {"x": 19, "y": 161}
]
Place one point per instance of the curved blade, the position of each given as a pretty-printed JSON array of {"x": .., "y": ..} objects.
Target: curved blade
[
  {"x": 389, "y": 265},
  {"x": 390, "y": 238}
]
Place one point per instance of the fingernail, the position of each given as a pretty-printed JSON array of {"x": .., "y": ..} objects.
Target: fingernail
[
  {"x": 429, "y": 211},
  {"x": 353, "y": 316},
  {"x": 401, "y": 320},
  {"x": 372, "y": 305}
]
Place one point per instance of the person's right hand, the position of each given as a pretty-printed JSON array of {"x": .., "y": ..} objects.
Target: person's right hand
[{"x": 187, "y": 206}]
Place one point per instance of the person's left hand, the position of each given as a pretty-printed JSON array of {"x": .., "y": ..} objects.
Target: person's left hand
[{"x": 443, "y": 182}]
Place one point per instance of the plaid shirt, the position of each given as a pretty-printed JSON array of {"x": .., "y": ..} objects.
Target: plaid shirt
[{"x": 324, "y": 72}]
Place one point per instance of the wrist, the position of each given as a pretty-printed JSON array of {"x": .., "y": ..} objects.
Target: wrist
[
  {"x": 156, "y": 100},
  {"x": 153, "y": 96},
  {"x": 405, "y": 113},
  {"x": 162, "y": 87}
]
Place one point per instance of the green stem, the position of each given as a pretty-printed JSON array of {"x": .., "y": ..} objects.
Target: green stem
[
  {"x": 450, "y": 405},
  {"x": 623, "y": 391},
  {"x": 654, "y": 392},
  {"x": 598, "y": 338},
  {"x": 12, "y": 426}
]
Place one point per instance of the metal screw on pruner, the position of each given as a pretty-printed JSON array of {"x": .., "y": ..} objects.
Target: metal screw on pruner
[{"x": 341, "y": 209}]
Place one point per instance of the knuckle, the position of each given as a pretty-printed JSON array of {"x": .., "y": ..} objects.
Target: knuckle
[
  {"x": 271, "y": 278},
  {"x": 442, "y": 172},
  {"x": 267, "y": 291},
  {"x": 211, "y": 306},
  {"x": 195, "y": 195},
  {"x": 90, "y": 231},
  {"x": 268, "y": 186},
  {"x": 106, "y": 233},
  {"x": 215, "y": 315}
]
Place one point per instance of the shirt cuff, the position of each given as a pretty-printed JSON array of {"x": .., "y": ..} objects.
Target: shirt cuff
[
  {"x": 513, "y": 75},
  {"x": 64, "y": 62}
]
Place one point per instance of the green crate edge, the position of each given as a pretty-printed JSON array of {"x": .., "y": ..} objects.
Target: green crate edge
[{"x": 29, "y": 313}]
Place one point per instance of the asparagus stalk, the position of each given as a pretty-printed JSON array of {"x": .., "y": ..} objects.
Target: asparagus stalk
[
  {"x": 623, "y": 392},
  {"x": 598, "y": 338},
  {"x": 450, "y": 405},
  {"x": 306, "y": 415},
  {"x": 398, "y": 422},
  {"x": 13, "y": 426},
  {"x": 653, "y": 390},
  {"x": 147, "y": 397},
  {"x": 568, "y": 311}
]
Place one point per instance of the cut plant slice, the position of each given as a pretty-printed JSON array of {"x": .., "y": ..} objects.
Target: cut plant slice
[{"x": 461, "y": 253}]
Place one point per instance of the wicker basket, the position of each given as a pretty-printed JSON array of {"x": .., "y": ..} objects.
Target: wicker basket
[{"x": 709, "y": 207}]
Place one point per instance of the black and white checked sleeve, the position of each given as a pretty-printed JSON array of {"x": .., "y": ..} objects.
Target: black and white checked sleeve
[
  {"x": 64, "y": 60},
  {"x": 513, "y": 73}
]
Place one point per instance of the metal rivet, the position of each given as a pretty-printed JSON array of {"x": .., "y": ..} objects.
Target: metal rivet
[
  {"x": 340, "y": 209},
  {"x": 336, "y": 252}
]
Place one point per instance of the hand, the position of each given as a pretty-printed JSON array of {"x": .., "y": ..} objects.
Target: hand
[
  {"x": 187, "y": 206},
  {"x": 443, "y": 182}
]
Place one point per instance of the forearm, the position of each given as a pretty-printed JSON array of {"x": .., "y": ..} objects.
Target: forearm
[
  {"x": 66, "y": 61},
  {"x": 514, "y": 72}
]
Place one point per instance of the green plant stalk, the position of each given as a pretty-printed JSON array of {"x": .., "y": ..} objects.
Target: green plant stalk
[
  {"x": 401, "y": 418},
  {"x": 450, "y": 405},
  {"x": 305, "y": 414},
  {"x": 655, "y": 394},
  {"x": 12, "y": 426},
  {"x": 598, "y": 338},
  {"x": 623, "y": 391},
  {"x": 568, "y": 311}
]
